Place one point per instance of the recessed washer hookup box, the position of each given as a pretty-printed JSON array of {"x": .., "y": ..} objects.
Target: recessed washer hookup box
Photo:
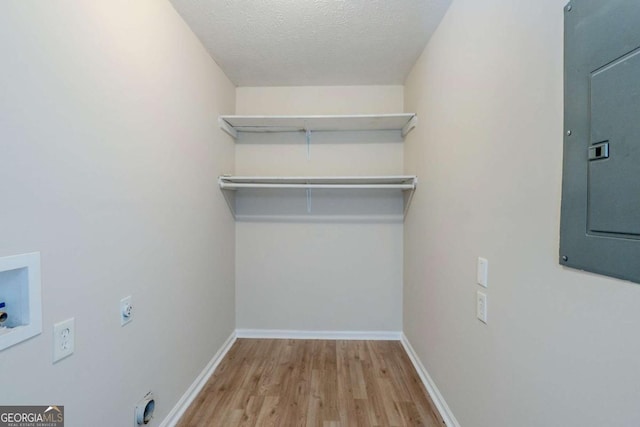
[{"x": 20, "y": 293}]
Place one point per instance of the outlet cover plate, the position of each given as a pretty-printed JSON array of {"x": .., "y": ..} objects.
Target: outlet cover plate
[
  {"x": 64, "y": 337},
  {"x": 126, "y": 310},
  {"x": 481, "y": 306}
]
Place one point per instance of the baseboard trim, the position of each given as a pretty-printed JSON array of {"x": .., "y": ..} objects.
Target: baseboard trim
[
  {"x": 432, "y": 389},
  {"x": 319, "y": 335},
  {"x": 189, "y": 396}
]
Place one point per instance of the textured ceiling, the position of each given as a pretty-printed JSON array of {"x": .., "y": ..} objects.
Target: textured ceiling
[{"x": 313, "y": 42}]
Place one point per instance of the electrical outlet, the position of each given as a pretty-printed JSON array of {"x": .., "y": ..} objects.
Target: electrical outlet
[
  {"x": 64, "y": 337},
  {"x": 481, "y": 306},
  {"x": 126, "y": 310}
]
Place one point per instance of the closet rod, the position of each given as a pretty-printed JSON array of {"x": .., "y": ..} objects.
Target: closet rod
[{"x": 231, "y": 186}]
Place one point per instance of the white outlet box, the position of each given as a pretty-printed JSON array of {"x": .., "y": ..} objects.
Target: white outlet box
[
  {"x": 64, "y": 337},
  {"x": 482, "y": 272},
  {"x": 126, "y": 310},
  {"x": 481, "y": 306}
]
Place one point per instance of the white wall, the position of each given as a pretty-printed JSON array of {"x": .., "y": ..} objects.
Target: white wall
[
  {"x": 296, "y": 271},
  {"x": 561, "y": 346},
  {"x": 109, "y": 156}
]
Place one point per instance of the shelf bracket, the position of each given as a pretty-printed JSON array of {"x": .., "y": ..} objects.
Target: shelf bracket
[
  {"x": 408, "y": 197},
  {"x": 229, "y": 196},
  {"x": 308, "y": 135},
  {"x": 409, "y": 126},
  {"x": 227, "y": 128}
]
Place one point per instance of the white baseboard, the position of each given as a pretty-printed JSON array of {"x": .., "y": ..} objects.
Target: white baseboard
[
  {"x": 436, "y": 397},
  {"x": 189, "y": 396},
  {"x": 319, "y": 335}
]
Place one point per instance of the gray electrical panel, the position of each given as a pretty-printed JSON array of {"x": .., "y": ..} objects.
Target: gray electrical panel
[{"x": 600, "y": 224}]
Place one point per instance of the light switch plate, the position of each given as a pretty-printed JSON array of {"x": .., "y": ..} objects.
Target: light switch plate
[{"x": 482, "y": 272}]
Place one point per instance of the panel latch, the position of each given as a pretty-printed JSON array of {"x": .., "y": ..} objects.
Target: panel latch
[{"x": 599, "y": 151}]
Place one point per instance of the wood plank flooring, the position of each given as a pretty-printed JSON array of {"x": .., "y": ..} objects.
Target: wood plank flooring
[{"x": 309, "y": 383}]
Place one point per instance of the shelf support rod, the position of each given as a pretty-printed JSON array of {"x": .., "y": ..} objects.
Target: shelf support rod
[
  {"x": 234, "y": 185},
  {"x": 308, "y": 200},
  {"x": 308, "y": 135}
]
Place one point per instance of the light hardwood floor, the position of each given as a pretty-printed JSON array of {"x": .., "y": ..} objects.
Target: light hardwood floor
[{"x": 263, "y": 382}]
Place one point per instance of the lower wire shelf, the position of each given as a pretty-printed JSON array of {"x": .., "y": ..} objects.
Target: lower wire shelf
[{"x": 405, "y": 183}]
